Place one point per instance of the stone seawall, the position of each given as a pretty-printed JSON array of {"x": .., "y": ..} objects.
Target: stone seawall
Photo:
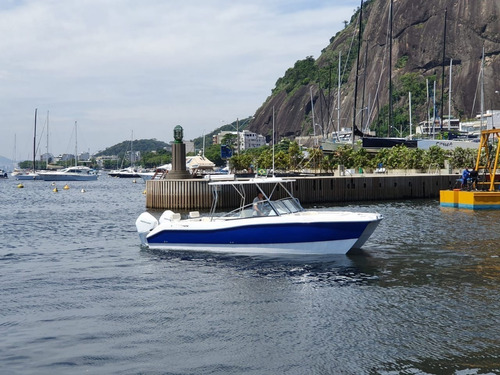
[{"x": 196, "y": 194}]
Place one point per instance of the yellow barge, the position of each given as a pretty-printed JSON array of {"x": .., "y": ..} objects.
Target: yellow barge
[{"x": 482, "y": 194}]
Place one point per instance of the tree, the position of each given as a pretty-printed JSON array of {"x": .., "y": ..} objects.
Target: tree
[
  {"x": 461, "y": 158},
  {"x": 436, "y": 156},
  {"x": 230, "y": 139},
  {"x": 295, "y": 155},
  {"x": 241, "y": 162},
  {"x": 282, "y": 161},
  {"x": 212, "y": 153}
]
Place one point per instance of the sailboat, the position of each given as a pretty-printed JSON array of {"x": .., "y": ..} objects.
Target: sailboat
[
  {"x": 129, "y": 172},
  {"x": 30, "y": 175},
  {"x": 74, "y": 173}
]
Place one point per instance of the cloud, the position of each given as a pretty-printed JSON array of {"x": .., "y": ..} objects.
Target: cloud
[{"x": 121, "y": 65}]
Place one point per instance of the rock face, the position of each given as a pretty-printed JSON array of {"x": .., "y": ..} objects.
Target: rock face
[{"x": 418, "y": 34}]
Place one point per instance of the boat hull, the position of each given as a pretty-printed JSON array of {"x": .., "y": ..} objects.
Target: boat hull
[
  {"x": 298, "y": 234},
  {"x": 27, "y": 177},
  {"x": 68, "y": 177}
]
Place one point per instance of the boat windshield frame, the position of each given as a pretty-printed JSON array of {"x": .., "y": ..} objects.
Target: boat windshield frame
[{"x": 278, "y": 207}]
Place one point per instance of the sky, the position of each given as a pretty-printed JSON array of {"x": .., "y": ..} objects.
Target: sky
[{"x": 127, "y": 69}]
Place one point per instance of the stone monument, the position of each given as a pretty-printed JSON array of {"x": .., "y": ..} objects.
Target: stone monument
[{"x": 178, "y": 171}]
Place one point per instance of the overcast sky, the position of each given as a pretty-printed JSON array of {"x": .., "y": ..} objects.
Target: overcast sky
[{"x": 123, "y": 67}]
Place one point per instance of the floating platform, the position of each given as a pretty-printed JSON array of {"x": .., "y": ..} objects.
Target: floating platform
[
  {"x": 471, "y": 200},
  {"x": 487, "y": 163}
]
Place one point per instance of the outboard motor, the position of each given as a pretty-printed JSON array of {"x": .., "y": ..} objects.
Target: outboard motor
[
  {"x": 145, "y": 223},
  {"x": 167, "y": 216}
]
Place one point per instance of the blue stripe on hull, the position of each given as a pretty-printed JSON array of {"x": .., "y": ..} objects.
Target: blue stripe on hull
[{"x": 263, "y": 234}]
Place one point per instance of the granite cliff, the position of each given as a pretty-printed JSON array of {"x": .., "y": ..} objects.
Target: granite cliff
[{"x": 418, "y": 41}]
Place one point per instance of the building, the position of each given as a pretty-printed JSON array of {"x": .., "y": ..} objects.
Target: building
[
  {"x": 217, "y": 138},
  {"x": 244, "y": 140},
  {"x": 248, "y": 139}
]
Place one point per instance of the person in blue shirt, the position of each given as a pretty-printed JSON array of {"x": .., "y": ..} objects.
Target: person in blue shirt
[{"x": 465, "y": 177}]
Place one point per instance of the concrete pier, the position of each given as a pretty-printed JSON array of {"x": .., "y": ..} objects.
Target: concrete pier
[{"x": 196, "y": 194}]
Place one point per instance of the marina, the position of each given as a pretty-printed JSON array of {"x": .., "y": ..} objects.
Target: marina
[{"x": 342, "y": 221}]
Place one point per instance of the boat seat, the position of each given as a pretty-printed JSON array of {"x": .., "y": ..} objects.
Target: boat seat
[{"x": 194, "y": 214}]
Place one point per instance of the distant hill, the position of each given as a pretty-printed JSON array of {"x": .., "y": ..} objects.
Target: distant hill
[
  {"x": 142, "y": 145},
  {"x": 6, "y": 164}
]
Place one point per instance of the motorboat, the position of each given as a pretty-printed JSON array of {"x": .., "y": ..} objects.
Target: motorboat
[
  {"x": 284, "y": 228},
  {"x": 3, "y": 174},
  {"x": 158, "y": 174},
  {"x": 75, "y": 173},
  {"x": 25, "y": 175},
  {"x": 129, "y": 172}
]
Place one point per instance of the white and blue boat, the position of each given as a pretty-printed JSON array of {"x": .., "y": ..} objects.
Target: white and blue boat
[
  {"x": 285, "y": 228},
  {"x": 76, "y": 173}
]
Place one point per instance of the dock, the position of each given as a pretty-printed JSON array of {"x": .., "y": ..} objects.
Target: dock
[{"x": 196, "y": 194}]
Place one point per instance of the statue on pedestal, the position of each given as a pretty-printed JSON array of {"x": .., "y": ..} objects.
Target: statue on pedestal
[{"x": 178, "y": 157}]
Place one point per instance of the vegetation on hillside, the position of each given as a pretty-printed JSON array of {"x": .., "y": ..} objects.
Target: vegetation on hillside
[{"x": 141, "y": 145}]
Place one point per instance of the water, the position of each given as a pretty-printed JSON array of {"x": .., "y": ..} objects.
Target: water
[{"x": 80, "y": 296}]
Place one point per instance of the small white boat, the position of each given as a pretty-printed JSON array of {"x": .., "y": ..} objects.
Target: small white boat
[
  {"x": 129, "y": 172},
  {"x": 285, "y": 228},
  {"x": 158, "y": 174},
  {"x": 25, "y": 175},
  {"x": 76, "y": 173}
]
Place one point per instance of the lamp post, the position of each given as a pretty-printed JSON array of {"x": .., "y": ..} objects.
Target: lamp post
[{"x": 238, "y": 135}]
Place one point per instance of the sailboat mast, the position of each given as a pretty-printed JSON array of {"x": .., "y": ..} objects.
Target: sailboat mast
[
  {"x": 312, "y": 111},
  {"x": 76, "y": 145},
  {"x": 357, "y": 70},
  {"x": 338, "y": 95},
  {"x": 434, "y": 112},
  {"x": 482, "y": 90},
  {"x": 273, "y": 140},
  {"x": 409, "y": 106},
  {"x": 390, "y": 74},
  {"x": 449, "y": 97},
  {"x": 132, "y": 158},
  {"x": 362, "y": 122},
  {"x": 428, "y": 107},
  {"x": 47, "y": 156},
  {"x": 34, "y": 142},
  {"x": 442, "y": 76},
  {"x": 203, "y": 153}
]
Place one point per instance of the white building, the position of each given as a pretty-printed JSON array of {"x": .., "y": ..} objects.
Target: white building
[
  {"x": 245, "y": 139},
  {"x": 491, "y": 119},
  {"x": 249, "y": 139}
]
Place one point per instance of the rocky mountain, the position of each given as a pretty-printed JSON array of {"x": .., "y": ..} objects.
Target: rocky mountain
[{"x": 418, "y": 42}]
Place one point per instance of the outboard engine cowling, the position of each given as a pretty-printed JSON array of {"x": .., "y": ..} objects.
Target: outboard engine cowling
[
  {"x": 145, "y": 223},
  {"x": 167, "y": 215}
]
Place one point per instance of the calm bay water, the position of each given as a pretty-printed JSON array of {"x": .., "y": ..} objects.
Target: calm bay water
[{"x": 80, "y": 296}]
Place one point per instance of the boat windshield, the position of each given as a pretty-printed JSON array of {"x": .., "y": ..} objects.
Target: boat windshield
[{"x": 271, "y": 208}]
